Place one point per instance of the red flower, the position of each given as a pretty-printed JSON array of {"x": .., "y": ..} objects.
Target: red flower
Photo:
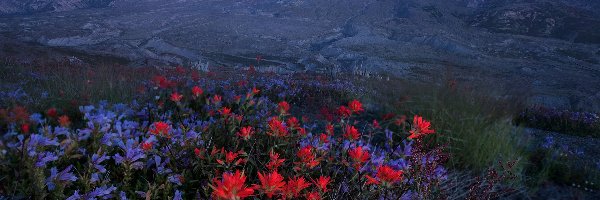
[
  {"x": 25, "y": 128},
  {"x": 302, "y": 131},
  {"x": 344, "y": 112},
  {"x": 271, "y": 183},
  {"x": 324, "y": 138},
  {"x": 275, "y": 162},
  {"x": 420, "y": 128},
  {"x": 322, "y": 183},
  {"x": 388, "y": 175},
  {"x": 162, "y": 82},
  {"x": 255, "y": 91},
  {"x": 371, "y": 180},
  {"x": 161, "y": 129},
  {"x": 52, "y": 112},
  {"x": 355, "y": 106},
  {"x": 197, "y": 91},
  {"x": 376, "y": 124},
  {"x": 329, "y": 129},
  {"x": 225, "y": 111},
  {"x": 232, "y": 187},
  {"x": 217, "y": 99},
  {"x": 284, "y": 107},
  {"x": 19, "y": 114},
  {"x": 230, "y": 158},
  {"x": 276, "y": 128},
  {"x": 293, "y": 123},
  {"x": 307, "y": 157},
  {"x": 176, "y": 97},
  {"x": 64, "y": 121},
  {"x": 294, "y": 186},
  {"x": 359, "y": 156},
  {"x": 146, "y": 146},
  {"x": 351, "y": 133},
  {"x": 245, "y": 132},
  {"x": 314, "y": 195}
]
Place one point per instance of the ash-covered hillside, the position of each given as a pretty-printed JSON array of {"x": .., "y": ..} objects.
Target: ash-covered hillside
[{"x": 36, "y": 6}]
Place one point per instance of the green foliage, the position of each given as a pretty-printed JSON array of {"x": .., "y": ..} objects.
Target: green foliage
[{"x": 476, "y": 127}]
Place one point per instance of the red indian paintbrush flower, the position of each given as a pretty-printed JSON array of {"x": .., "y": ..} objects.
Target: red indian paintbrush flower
[
  {"x": 162, "y": 82},
  {"x": 275, "y": 162},
  {"x": 314, "y": 195},
  {"x": 25, "y": 128},
  {"x": 324, "y": 138},
  {"x": 52, "y": 112},
  {"x": 344, "y": 112},
  {"x": 176, "y": 97},
  {"x": 329, "y": 129},
  {"x": 232, "y": 187},
  {"x": 146, "y": 146},
  {"x": 197, "y": 91},
  {"x": 307, "y": 157},
  {"x": 276, "y": 128},
  {"x": 355, "y": 106},
  {"x": 255, "y": 91},
  {"x": 284, "y": 106},
  {"x": 302, "y": 131},
  {"x": 376, "y": 124},
  {"x": 271, "y": 183},
  {"x": 359, "y": 156},
  {"x": 64, "y": 121},
  {"x": 293, "y": 123},
  {"x": 161, "y": 129},
  {"x": 351, "y": 133},
  {"x": 322, "y": 183},
  {"x": 230, "y": 158},
  {"x": 225, "y": 111},
  {"x": 245, "y": 132},
  {"x": 294, "y": 186},
  {"x": 420, "y": 128},
  {"x": 386, "y": 175},
  {"x": 217, "y": 99}
]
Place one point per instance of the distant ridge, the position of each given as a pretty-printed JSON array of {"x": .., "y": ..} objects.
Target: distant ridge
[{"x": 8, "y": 7}]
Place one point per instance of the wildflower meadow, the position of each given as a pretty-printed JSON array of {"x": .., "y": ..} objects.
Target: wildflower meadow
[
  {"x": 178, "y": 133},
  {"x": 196, "y": 138}
]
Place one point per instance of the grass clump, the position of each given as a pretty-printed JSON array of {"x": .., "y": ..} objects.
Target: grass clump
[
  {"x": 67, "y": 85},
  {"x": 477, "y": 128}
]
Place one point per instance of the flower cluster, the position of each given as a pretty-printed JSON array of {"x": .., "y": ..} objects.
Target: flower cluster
[
  {"x": 552, "y": 119},
  {"x": 204, "y": 138}
]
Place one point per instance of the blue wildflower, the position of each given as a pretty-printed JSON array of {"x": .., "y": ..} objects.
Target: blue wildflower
[
  {"x": 63, "y": 177},
  {"x": 178, "y": 195}
]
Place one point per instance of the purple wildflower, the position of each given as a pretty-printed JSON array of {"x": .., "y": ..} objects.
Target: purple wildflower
[
  {"x": 44, "y": 158},
  {"x": 63, "y": 177},
  {"x": 97, "y": 159}
]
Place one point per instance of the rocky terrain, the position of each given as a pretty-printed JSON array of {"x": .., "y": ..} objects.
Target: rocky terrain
[{"x": 546, "y": 50}]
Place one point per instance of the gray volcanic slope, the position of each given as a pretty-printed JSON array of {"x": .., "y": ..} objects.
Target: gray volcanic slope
[{"x": 548, "y": 48}]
